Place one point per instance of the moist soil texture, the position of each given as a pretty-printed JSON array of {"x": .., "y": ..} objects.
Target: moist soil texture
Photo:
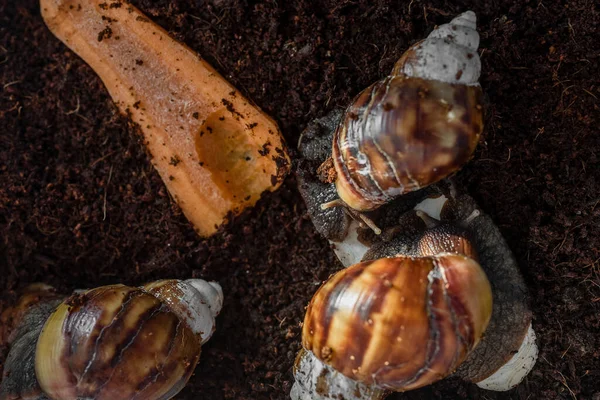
[{"x": 81, "y": 205}]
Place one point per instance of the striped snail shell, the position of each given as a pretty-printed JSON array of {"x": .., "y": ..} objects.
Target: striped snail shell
[
  {"x": 116, "y": 342},
  {"x": 444, "y": 237},
  {"x": 416, "y": 126},
  {"x": 399, "y": 323}
]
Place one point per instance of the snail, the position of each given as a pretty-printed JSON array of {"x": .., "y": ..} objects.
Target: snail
[
  {"x": 351, "y": 306},
  {"x": 110, "y": 342},
  {"x": 414, "y": 127},
  {"x": 402, "y": 322},
  {"x": 507, "y": 352}
]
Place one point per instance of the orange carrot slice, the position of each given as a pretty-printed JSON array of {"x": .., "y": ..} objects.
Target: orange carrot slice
[{"x": 215, "y": 150}]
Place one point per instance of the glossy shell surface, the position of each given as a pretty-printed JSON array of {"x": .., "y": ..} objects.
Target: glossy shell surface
[
  {"x": 115, "y": 342},
  {"x": 446, "y": 238},
  {"x": 195, "y": 301},
  {"x": 399, "y": 323},
  {"x": 402, "y": 134}
]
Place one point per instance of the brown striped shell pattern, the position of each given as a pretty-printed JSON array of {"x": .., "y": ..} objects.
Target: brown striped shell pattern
[
  {"x": 416, "y": 126},
  {"x": 121, "y": 342},
  {"x": 404, "y": 322}
]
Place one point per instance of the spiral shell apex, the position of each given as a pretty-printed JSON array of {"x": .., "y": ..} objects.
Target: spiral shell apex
[
  {"x": 449, "y": 54},
  {"x": 416, "y": 126},
  {"x": 399, "y": 323}
]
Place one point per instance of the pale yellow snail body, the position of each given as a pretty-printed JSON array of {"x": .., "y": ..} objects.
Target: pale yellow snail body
[{"x": 111, "y": 342}]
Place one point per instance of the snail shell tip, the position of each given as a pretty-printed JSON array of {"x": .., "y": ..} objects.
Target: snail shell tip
[
  {"x": 195, "y": 301},
  {"x": 211, "y": 292},
  {"x": 449, "y": 54},
  {"x": 468, "y": 19}
]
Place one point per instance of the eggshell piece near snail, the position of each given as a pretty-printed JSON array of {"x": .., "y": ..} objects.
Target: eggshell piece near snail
[{"x": 315, "y": 380}]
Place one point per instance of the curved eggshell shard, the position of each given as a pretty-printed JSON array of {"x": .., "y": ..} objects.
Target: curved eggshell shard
[
  {"x": 399, "y": 323},
  {"x": 516, "y": 369},
  {"x": 115, "y": 342},
  {"x": 402, "y": 134},
  {"x": 318, "y": 381}
]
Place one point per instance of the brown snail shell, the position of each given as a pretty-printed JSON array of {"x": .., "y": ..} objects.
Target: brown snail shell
[
  {"x": 115, "y": 342},
  {"x": 111, "y": 342},
  {"x": 444, "y": 238},
  {"x": 402, "y": 134},
  {"x": 399, "y": 323},
  {"x": 415, "y": 127}
]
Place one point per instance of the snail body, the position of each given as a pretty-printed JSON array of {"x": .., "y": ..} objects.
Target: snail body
[
  {"x": 444, "y": 237},
  {"x": 112, "y": 342},
  {"x": 416, "y": 126},
  {"x": 377, "y": 160}
]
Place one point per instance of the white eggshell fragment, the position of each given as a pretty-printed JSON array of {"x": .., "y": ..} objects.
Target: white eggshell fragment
[
  {"x": 432, "y": 206},
  {"x": 350, "y": 251}
]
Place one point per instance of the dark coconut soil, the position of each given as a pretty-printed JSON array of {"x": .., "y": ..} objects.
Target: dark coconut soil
[{"x": 81, "y": 206}]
